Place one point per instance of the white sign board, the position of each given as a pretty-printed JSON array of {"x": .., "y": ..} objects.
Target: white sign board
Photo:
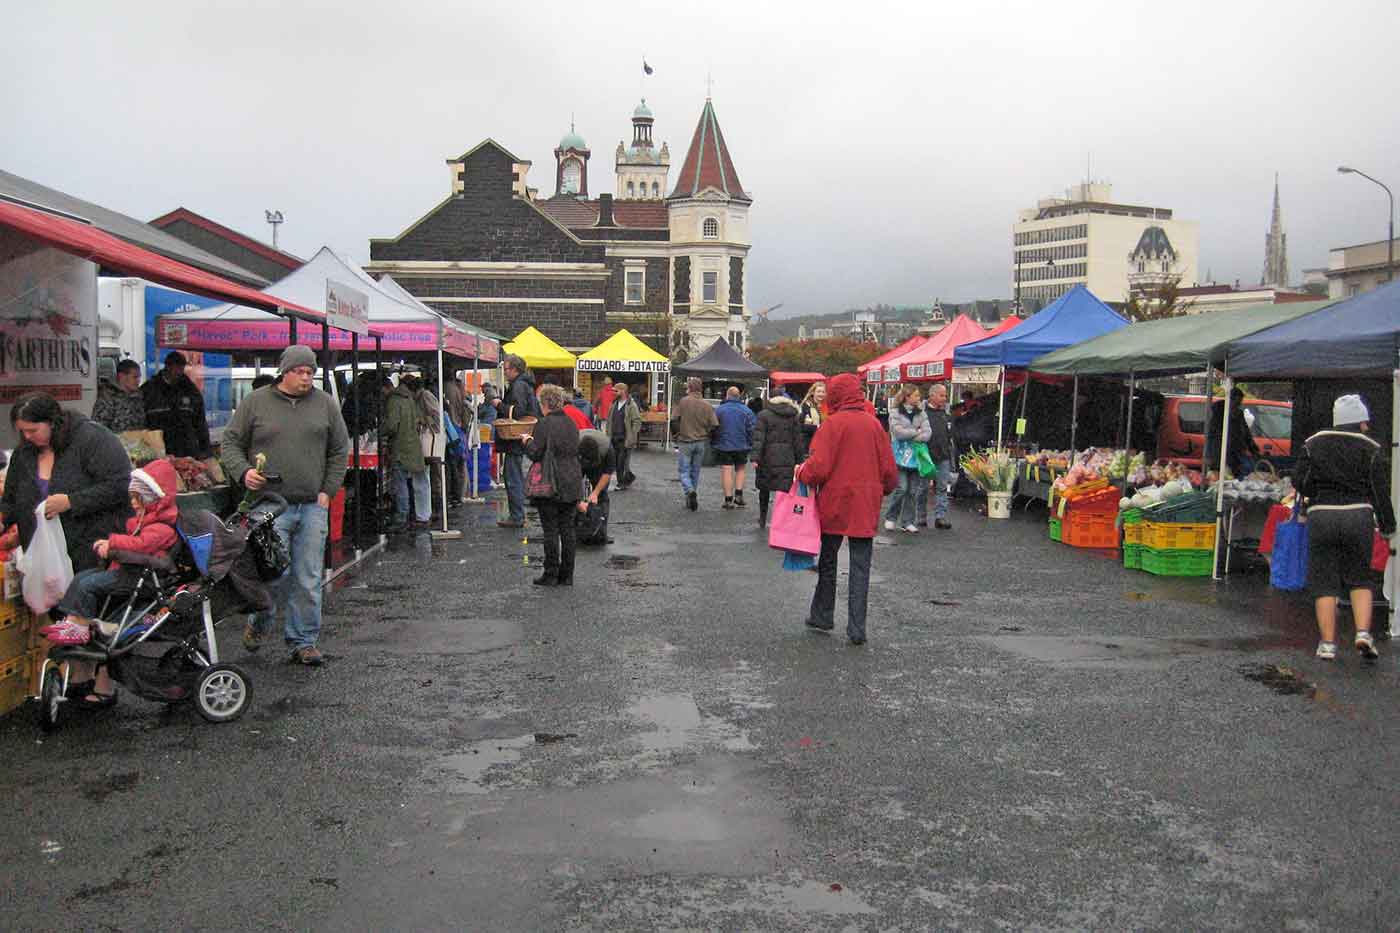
[
  {"x": 48, "y": 326},
  {"x": 347, "y": 308},
  {"x": 982, "y": 374},
  {"x": 624, "y": 366}
]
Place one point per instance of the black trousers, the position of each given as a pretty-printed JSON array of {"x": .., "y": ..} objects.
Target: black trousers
[
  {"x": 623, "y": 454},
  {"x": 763, "y": 500},
  {"x": 557, "y": 518},
  {"x": 823, "y": 611}
]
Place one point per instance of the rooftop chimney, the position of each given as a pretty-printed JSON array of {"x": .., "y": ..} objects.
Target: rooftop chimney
[{"x": 605, "y": 215}]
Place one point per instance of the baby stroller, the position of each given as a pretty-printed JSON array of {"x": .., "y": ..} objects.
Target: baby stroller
[{"x": 163, "y": 646}]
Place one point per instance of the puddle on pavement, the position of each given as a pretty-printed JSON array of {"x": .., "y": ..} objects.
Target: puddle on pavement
[
  {"x": 1127, "y": 651},
  {"x": 944, "y": 602},
  {"x": 622, "y": 562},
  {"x": 469, "y": 768},
  {"x": 1279, "y": 678},
  {"x": 99, "y": 790},
  {"x": 401, "y": 635},
  {"x": 677, "y": 723}
]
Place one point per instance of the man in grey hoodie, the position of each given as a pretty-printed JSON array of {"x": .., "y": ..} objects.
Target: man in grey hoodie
[{"x": 301, "y": 431}]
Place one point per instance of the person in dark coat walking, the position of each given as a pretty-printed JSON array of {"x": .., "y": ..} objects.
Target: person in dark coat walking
[
  {"x": 557, "y": 435},
  {"x": 1345, "y": 479},
  {"x": 519, "y": 403},
  {"x": 176, "y": 408},
  {"x": 76, "y": 468},
  {"x": 852, "y": 465},
  {"x": 777, "y": 449},
  {"x": 940, "y": 448}
]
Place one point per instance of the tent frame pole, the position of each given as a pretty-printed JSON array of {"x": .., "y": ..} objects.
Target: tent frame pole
[
  {"x": 1001, "y": 408},
  {"x": 1228, "y": 385},
  {"x": 1128, "y": 431},
  {"x": 1394, "y": 588},
  {"x": 355, "y": 517},
  {"x": 474, "y": 447},
  {"x": 1074, "y": 417},
  {"x": 669, "y": 380}
]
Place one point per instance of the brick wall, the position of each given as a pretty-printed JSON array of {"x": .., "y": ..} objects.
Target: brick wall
[{"x": 226, "y": 249}]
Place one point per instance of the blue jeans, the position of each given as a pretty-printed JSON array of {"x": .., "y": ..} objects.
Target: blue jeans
[
  {"x": 690, "y": 455},
  {"x": 422, "y": 495},
  {"x": 515, "y": 486},
  {"x": 87, "y": 592},
  {"x": 942, "y": 483},
  {"x": 297, "y": 593},
  {"x": 905, "y": 498}
]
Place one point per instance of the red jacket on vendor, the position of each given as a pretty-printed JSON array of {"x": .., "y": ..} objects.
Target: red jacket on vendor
[
  {"x": 152, "y": 529},
  {"x": 850, "y": 462}
]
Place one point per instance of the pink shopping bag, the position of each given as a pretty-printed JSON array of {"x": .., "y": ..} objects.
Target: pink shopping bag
[{"x": 796, "y": 526}]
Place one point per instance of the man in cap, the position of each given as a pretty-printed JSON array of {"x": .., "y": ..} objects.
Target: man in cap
[
  {"x": 300, "y": 430},
  {"x": 176, "y": 408}
]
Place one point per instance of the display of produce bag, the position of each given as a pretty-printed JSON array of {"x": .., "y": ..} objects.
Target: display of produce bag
[
  {"x": 796, "y": 527},
  {"x": 45, "y": 564},
  {"x": 1288, "y": 569}
]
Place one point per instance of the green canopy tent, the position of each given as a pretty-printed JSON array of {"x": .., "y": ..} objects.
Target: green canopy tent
[{"x": 1185, "y": 344}]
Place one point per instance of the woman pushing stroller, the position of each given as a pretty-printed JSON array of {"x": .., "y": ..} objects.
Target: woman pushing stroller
[{"x": 150, "y": 532}]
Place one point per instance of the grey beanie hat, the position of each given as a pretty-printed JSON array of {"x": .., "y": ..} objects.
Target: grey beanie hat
[{"x": 298, "y": 354}]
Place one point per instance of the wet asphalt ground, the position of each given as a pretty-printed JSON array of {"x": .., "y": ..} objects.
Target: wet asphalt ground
[{"x": 1034, "y": 737}]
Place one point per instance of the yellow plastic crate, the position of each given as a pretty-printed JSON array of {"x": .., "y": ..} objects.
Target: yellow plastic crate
[
  {"x": 1177, "y": 536},
  {"x": 1132, "y": 534}
]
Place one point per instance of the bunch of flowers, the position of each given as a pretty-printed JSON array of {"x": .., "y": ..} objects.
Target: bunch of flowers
[{"x": 993, "y": 470}]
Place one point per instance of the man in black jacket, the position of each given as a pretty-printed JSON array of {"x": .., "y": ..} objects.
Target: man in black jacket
[
  {"x": 519, "y": 402},
  {"x": 176, "y": 408},
  {"x": 940, "y": 448}
]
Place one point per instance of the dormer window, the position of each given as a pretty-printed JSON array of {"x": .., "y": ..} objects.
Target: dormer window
[{"x": 710, "y": 229}]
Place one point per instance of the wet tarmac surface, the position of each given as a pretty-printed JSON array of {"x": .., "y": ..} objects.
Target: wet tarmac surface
[{"x": 1033, "y": 737}]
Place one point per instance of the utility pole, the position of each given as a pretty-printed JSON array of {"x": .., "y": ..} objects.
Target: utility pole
[{"x": 274, "y": 218}]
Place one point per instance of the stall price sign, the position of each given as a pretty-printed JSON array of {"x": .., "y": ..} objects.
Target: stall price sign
[
  {"x": 983, "y": 374},
  {"x": 347, "y": 308}
]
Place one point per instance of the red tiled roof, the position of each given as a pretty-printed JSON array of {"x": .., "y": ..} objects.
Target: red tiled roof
[
  {"x": 650, "y": 214},
  {"x": 707, "y": 164},
  {"x": 577, "y": 212},
  {"x": 569, "y": 211},
  {"x": 233, "y": 236}
]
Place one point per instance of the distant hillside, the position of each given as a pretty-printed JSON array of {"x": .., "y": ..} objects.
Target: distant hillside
[{"x": 987, "y": 312}]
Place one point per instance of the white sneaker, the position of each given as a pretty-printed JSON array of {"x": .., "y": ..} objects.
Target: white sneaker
[
  {"x": 1366, "y": 646},
  {"x": 912, "y": 529},
  {"x": 1327, "y": 650},
  {"x": 889, "y": 525}
]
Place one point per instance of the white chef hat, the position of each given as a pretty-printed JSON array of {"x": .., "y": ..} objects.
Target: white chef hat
[{"x": 1349, "y": 409}]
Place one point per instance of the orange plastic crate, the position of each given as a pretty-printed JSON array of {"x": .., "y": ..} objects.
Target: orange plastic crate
[{"x": 1090, "y": 529}]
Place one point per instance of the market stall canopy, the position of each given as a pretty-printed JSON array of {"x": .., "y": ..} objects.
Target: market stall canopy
[
  {"x": 488, "y": 344},
  {"x": 623, "y": 353},
  {"x": 1006, "y": 324},
  {"x": 721, "y": 361},
  {"x": 1186, "y": 344},
  {"x": 933, "y": 360},
  {"x": 1072, "y": 318},
  {"x": 864, "y": 369},
  {"x": 122, "y": 257},
  {"x": 404, "y": 328},
  {"x": 539, "y": 352},
  {"x": 1356, "y": 337},
  {"x": 782, "y": 378}
]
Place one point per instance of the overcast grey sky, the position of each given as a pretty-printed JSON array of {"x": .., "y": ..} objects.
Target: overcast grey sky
[{"x": 888, "y": 148}]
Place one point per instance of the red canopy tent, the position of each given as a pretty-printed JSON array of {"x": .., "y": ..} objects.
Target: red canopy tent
[
  {"x": 871, "y": 371},
  {"x": 780, "y": 378},
  {"x": 1006, "y": 324},
  {"x": 933, "y": 361}
]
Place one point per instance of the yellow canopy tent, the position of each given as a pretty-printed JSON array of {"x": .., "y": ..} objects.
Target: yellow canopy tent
[
  {"x": 539, "y": 352},
  {"x": 624, "y": 353}
]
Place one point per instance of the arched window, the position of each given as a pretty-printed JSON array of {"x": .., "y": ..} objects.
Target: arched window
[
  {"x": 655, "y": 190},
  {"x": 631, "y": 190},
  {"x": 711, "y": 229}
]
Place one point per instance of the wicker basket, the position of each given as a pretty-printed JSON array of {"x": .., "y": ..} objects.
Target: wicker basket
[{"x": 510, "y": 430}]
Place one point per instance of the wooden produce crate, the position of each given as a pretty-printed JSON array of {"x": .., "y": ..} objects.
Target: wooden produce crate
[
  {"x": 16, "y": 630},
  {"x": 14, "y": 683}
]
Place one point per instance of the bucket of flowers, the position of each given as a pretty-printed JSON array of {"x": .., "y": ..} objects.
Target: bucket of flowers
[{"x": 995, "y": 473}]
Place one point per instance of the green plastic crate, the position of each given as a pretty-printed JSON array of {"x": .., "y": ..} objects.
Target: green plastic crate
[
  {"x": 1176, "y": 563},
  {"x": 1132, "y": 556},
  {"x": 1198, "y": 506},
  {"x": 1129, "y": 516},
  {"x": 1054, "y": 529}
]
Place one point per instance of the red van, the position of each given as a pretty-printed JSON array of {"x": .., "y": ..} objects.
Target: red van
[{"x": 1181, "y": 434}]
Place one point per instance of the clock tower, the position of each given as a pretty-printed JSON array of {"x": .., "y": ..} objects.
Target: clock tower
[{"x": 571, "y": 172}]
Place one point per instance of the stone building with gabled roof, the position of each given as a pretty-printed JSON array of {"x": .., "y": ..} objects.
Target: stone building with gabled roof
[{"x": 667, "y": 263}]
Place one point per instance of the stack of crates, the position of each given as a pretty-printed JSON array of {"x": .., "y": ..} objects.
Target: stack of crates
[
  {"x": 1177, "y": 537},
  {"x": 21, "y": 649},
  {"x": 1087, "y": 514},
  {"x": 1132, "y": 522}
]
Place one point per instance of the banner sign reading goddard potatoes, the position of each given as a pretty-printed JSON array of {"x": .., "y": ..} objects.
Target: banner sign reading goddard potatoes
[
  {"x": 623, "y": 366},
  {"x": 48, "y": 326}
]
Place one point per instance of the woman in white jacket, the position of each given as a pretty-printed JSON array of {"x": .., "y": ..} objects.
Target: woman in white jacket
[{"x": 908, "y": 424}]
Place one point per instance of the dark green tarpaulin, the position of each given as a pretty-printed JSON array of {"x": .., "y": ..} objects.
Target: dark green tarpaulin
[{"x": 1183, "y": 344}]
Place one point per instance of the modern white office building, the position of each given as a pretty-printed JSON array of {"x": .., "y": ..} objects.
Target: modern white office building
[{"x": 1085, "y": 238}]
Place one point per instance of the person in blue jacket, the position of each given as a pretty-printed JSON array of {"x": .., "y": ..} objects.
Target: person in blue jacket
[{"x": 733, "y": 442}]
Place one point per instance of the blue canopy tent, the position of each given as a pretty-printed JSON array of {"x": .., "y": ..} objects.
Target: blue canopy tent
[
  {"x": 1074, "y": 317},
  {"x": 1357, "y": 338}
]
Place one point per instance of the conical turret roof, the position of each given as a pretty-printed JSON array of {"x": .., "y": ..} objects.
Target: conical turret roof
[{"x": 707, "y": 164}]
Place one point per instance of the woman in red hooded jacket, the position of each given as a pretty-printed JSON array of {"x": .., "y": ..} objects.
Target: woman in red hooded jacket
[
  {"x": 149, "y": 531},
  {"x": 852, "y": 465}
]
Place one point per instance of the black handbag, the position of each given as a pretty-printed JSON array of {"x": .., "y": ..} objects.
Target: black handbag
[{"x": 270, "y": 554}]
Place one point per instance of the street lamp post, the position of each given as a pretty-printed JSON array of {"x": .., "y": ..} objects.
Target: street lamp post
[{"x": 1390, "y": 230}]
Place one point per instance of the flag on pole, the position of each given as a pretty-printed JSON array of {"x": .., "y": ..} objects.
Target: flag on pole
[{"x": 646, "y": 69}]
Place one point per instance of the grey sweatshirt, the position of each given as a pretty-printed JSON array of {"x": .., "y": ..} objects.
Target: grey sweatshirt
[{"x": 304, "y": 438}]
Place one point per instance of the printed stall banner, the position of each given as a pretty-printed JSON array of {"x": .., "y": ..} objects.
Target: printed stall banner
[{"x": 48, "y": 326}]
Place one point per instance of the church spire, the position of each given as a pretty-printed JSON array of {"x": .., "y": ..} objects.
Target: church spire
[{"x": 1276, "y": 247}]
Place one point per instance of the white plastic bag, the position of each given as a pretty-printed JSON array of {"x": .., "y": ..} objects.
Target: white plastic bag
[{"x": 45, "y": 564}]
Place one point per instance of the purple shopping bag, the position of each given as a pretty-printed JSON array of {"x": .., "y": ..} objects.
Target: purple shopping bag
[{"x": 796, "y": 526}]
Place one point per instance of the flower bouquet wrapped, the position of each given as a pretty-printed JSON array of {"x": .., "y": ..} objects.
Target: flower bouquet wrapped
[{"x": 992, "y": 470}]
